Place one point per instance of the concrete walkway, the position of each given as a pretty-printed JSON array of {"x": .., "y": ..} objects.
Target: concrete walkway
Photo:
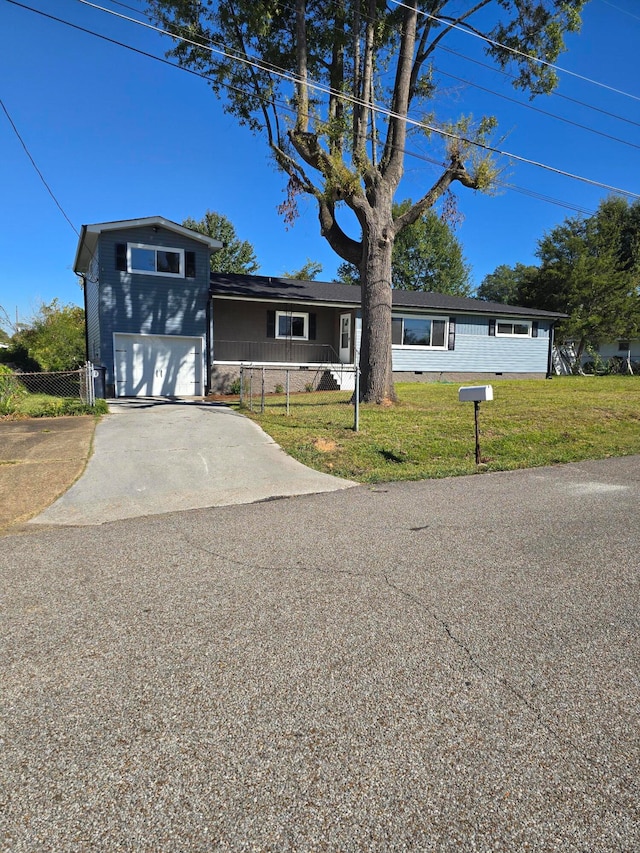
[{"x": 154, "y": 456}]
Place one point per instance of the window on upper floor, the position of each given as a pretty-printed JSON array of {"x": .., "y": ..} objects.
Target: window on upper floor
[
  {"x": 419, "y": 332},
  {"x": 155, "y": 260}
]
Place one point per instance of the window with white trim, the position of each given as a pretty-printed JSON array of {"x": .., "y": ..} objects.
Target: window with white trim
[
  {"x": 292, "y": 325},
  {"x": 419, "y": 332},
  {"x": 155, "y": 260},
  {"x": 519, "y": 328}
]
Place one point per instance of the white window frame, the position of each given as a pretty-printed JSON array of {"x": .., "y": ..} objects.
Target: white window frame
[
  {"x": 304, "y": 316},
  {"x": 513, "y": 323},
  {"x": 444, "y": 320},
  {"x": 155, "y": 249}
]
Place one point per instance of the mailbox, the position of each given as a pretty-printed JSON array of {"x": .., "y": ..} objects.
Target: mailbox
[{"x": 475, "y": 393}]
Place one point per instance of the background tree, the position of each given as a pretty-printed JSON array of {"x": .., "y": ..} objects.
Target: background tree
[
  {"x": 238, "y": 256},
  {"x": 507, "y": 284},
  {"x": 351, "y": 74},
  {"x": 54, "y": 339},
  {"x": 590, "y": 270},
  {"x": 427, "y": 256},
  {"x": 307, "y": 272}
]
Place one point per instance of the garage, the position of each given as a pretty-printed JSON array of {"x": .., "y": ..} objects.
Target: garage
[{"x": 157, "y": 365}]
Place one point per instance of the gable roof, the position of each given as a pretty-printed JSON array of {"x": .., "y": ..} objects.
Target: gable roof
[
  {"x": 271, "y": 289},
  {"x": 89, "y": 235}
]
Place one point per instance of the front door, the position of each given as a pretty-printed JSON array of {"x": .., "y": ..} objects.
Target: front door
[{"x": 345, "y": 338}]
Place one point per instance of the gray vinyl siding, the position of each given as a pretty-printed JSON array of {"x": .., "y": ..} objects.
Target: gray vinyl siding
[
  {"x": 476, "y": 351},
  {"x": 137, "y": 303},
  {"x": 240, "y": 330}
]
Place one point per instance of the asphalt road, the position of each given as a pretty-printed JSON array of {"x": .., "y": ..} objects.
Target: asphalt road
[{"x": 439, "y": 666}]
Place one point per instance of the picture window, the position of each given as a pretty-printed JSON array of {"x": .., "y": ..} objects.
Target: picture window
[{"x": 419, "y": 332}]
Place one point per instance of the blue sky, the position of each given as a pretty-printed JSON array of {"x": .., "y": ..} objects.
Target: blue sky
[{"x": 119, "y": 136}]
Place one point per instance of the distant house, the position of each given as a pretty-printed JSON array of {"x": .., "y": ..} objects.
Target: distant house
[{"x": 162, "y": 325}]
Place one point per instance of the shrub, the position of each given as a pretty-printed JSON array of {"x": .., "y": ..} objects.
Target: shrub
[
  {"x": 234, "y": 387},
  {"x": 12, "y": 391}
]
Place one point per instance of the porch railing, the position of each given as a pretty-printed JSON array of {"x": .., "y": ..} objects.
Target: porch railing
[{"x": 293, "y": 352}]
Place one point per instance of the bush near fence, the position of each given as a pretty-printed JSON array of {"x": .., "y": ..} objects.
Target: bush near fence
[{"x": 17, "y": 389}]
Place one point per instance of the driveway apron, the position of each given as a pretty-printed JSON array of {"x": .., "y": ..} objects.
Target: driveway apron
[{"x": 155, "y": 456}]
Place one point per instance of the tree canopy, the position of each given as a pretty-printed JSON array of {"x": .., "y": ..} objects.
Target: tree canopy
[
  {"x": 54, "y": 339},
  {"x": 237, "y": 256},
  {"x": 590, "y": 270},
  {"x": 333, "y": 88},
  {"x": 506, "y": 284},
  {"x": 309, "y": 271}
]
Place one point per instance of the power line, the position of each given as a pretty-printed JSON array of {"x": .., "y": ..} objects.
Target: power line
[
  {"x": 516, "y": 52},
  {"x": 538, "y": 110},
  {"x": 33, "y": 163},
  {"x": 322, "y": 89},
  {"x": 553, "y": 94},
  {"x": 618, "y": 9},
  {"x": 246, "y": 60}
]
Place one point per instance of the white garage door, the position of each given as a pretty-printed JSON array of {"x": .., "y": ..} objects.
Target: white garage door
[{"x": 157, "y": 366}]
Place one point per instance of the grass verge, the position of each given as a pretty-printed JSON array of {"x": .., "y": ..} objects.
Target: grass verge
[{"x": 430, "y": 434}]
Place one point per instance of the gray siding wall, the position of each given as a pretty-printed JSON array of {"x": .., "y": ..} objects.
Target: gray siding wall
[
  {"x": 245, "y": 323},
  {"x": 148, "y": 304},
  {"x": 477, "y": 351}
]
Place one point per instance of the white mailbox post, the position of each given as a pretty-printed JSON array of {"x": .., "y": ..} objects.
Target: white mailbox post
[{"x": 476, "y": 394}]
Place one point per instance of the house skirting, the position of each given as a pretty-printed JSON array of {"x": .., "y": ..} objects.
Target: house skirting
[
  {"x": 453, "y": 376},
  {"x": 299, "y": 377}
]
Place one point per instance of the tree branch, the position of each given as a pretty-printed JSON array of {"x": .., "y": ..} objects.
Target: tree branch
[{"x": 456, "y": 171}]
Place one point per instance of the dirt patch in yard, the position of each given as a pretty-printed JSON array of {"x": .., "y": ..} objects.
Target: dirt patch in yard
[{"x": 39, "y": 460}]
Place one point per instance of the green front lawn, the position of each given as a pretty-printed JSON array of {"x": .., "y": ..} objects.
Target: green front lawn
[{"x": 430, "y": 434}]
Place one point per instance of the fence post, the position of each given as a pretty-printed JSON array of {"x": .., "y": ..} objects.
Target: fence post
[
  {"x": 356, "y": 399},
  {"x": 251, "y": 388},
  {"x": 241, "y": 385},
  {"x": 287, "y": 374},
  {"x": 90, "y": 391},
  {"x": 262, "y": 394}
]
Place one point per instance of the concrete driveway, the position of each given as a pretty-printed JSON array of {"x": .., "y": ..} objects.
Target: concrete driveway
[{"x": 153, "y": 456}]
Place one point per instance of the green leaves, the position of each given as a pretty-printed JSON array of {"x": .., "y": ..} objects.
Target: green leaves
[{"x": 238, "y": 256}]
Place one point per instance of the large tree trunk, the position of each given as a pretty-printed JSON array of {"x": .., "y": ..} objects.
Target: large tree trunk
[{"x": 375, "y": 354}]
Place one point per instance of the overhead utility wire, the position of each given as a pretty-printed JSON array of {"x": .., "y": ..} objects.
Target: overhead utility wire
[
  {"x": 513, "y": 50},
  {"x": 504, "y": 73},
  {"x": 33, "y": 163},
  {"x": 538, "y": 110},
  {"x": 315, "y": 86},
  {"x": 246, "y": 60},
  {"x": 284, "y": 106},
  {"x": 553, "y": 94},
  {"x": 619, "y": 9}
]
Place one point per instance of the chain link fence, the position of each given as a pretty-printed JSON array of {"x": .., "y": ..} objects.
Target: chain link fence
[
  {"x": 77, "y": 384},
  {"x": 328, "y": 393}
]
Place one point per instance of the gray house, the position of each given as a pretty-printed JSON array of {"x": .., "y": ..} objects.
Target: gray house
[
  {"x": 162, "y": 325},
  {"x": 146, "y": 290}
]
